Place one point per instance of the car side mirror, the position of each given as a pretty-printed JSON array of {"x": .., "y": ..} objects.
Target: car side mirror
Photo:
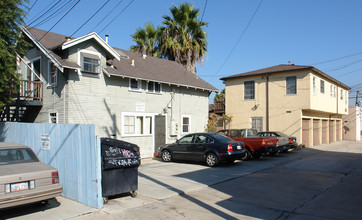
[{"x": 177, "y": 141}]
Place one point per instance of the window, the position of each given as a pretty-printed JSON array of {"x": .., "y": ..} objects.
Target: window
[
  {"x": 249, "y": 91},
  {"x": 334, "y": 91},
  {"x": 202, "y": 139},
  {"x": 341, "y": 94},
  {"x": 186, "y": 124},
  {"x": 137, "y": 124},
  {"x": 314, "y": 86},
  {"x": 291, "y": 85},
  {"x": 322, "y": 86},
  {"x": 134, "y": 84},
  {"x": 91, "y": 65},
  {"x": 346, "y": 98},
  {"x": 52, "y": 74},
  {"x": 257, "y": 124},
  {"x": 186, "y": 140},
  {"x": 331, "y": 91},
  {"x": 53, "y": 117},
  {"x": 153, "y": 87},
  {"x": 34, "y": 69}
]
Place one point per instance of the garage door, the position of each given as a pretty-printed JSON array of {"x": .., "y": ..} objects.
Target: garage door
[
  {"x": 338, "y": 130},
  {"x": 325, "y": 131},
  {"x": 305, "y": 132},
  {"x": 316, "y": 130},
  {"x": 332, "y": 132}
]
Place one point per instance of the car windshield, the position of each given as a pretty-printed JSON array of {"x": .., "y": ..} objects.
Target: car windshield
[
  {"x": 18, "y": 155},
  {"x": 221, "y": 138}
]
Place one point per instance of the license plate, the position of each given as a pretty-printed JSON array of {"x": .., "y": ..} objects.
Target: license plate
[
  {"x": 238, "y": 147},
  {"x": 19, "y": 186}
]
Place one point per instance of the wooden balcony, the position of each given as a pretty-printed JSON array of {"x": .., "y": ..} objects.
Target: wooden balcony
[
  {"x": 31, "y": 90},
  {"x": 219, "y": 107}
]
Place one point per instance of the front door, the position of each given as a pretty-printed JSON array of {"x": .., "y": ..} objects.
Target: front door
[{"x": 160, "y": 131}]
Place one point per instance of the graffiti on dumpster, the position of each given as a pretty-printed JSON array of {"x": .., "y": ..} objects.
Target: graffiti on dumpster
[
  {"x": 124, "y": 162},
  {"x": 119, "y": 152}
]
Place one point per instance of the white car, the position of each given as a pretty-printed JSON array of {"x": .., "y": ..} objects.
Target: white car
[{"x": 24, "y": 178}]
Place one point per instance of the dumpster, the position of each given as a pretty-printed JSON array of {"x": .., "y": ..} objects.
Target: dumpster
[{"x": 120, "y": 162}]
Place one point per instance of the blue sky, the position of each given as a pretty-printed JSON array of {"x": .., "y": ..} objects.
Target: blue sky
[{"x": 307, "y": 32}]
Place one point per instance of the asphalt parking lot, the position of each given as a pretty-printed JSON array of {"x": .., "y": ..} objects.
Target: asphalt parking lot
[{"x": 322, "y": 182}]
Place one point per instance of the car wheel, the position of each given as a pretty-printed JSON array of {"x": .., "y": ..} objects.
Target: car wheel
[
  {"x": 211, "y": 160},
  {"x": 274, "y": 153},
  {"x": 284, "y": 151},
  {"x": 166, "y": 156},
  {"x": 247, "y": 155}
]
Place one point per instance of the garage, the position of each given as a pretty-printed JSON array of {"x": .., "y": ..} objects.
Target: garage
[
  {"x": 324, "y": 131},
  {"x": 316, "y": 132},
  {"x": 332, "y": 131},
  {"x": 305, "y": 132}
]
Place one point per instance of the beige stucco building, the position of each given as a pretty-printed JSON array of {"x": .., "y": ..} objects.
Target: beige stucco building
[{"x": 300, "y": 101}]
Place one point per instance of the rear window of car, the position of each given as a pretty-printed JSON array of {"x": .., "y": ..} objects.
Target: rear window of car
[
  {"x": 280, "y": 134},
  {"x": 19, "y": 155},
  {"x": 221, "y": 138}
]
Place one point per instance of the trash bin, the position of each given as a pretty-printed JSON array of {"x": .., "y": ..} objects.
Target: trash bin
[{"x": 120, "y": 162}]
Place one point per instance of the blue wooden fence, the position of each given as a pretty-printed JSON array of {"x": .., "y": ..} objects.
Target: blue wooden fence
[{"x": 73, "y": 149}]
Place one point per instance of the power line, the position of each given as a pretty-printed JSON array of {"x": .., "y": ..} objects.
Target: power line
[
  {"x": 35, "y": 19},
  {"x": 203, "y": 12},
  {"x": 108, "y": 14},
  {"x": 90, "y": 17},
  {"x": 348, "y": 73},
  {"x": 117, "y": 16},
  {"x": 32, "y": 6},
  {"x": 60, "y": 20},
  {"x": 347, "y": 65},
  {"x": 335, "y": 59},
  {"x": 237, "y": 42}
]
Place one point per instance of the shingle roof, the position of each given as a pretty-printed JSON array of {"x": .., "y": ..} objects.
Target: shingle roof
[
  {"x": 284, "y": 68},
  {"x": 150, "y": 68}
]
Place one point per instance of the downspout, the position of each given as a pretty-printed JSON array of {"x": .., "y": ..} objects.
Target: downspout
[
  {"x": 337, "y": 100},
  {"x": 267, "y": 101}
]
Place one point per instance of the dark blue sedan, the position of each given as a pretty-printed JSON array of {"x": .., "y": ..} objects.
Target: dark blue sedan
[{"x": 210, "y": 148}]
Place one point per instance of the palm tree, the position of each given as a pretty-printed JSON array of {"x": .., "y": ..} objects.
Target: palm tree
[
  {"x": 183, "y": 39},
  {"x": 147, "y": 40}
]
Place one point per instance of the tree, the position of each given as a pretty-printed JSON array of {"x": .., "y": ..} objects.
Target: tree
[
  {"x": 11, "y": 43},
  {"x": 147, "y": 40},
  {"x": 183, "y": 40},
  {"x": 220, "y": 96}
]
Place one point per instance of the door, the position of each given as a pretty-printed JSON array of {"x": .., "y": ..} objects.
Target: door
[
  {"x": 197, "y": 149},
  {"x": 180, "y": 150},
  {"x": 305, "y": 132},
  {"x": 316, "y": 132},
  {"x": 160, "y": 131}
]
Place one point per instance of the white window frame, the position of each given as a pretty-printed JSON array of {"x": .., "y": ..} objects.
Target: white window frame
[
  {"x": 341, "y": 94},
  {"x": 51, "y": 117},
  {"x": 154, "y": 87},
  {"x": 137, "y": 132},
  {"x": 331, "y": 90},
  {"x": 346, "y": 98},
  {"x": 334, "y": 91},
  {"x": 182, "y": 124},
  {"x": 50, "y": 82},
  {"x": 89, "y": 54},
  {"x": 139, "y": 85},
  {"x": 256, "y": 118}
]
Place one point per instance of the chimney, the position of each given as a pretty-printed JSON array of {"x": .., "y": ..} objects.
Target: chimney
[
  {"x": 67, "y": 39},
  {"x": 289, "y": 62},
  {"x": 132, "y": 63},
  {"x": 107, "y": 38}
]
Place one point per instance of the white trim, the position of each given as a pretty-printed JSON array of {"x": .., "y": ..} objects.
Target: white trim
[
  {"x": 96, "y": 37},
  {"x": 135, "y": 115},
  {"x": 182, "y": 124},
  {"x": 30, "y": 65},
  {"x": 43, "y": 49},
  {"x": 92, "y": 54},
  {"x": 154, "y": 88}
]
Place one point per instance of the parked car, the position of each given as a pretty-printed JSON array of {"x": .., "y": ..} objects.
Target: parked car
[
  {"x": 255, "y": 146},
  {"x": 210, "y": 148},
  {"x": 284, "y": 141},
  {"x": 24, "y": 178}
]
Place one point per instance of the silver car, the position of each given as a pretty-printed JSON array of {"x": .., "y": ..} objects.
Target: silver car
[
  {"x": 283, "y": 139},
  {"x": 24, "y": 178}
]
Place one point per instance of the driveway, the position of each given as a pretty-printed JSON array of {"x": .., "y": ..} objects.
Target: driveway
[{"x": 322, "y": 182}]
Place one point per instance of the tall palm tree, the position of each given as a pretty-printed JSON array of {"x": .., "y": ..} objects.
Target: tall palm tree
[
  {"x": 183, "y": 39},
  {"x": 147, "y": 40}
]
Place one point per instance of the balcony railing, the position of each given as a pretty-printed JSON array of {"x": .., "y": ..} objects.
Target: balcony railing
[
  {"x": 31, "y": 90},
  {"x": 219, "y": 107}
]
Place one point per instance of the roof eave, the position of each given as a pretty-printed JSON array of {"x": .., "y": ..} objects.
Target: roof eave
[{"x": 96, "y": 37}]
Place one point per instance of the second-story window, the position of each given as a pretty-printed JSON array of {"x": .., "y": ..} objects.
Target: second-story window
[
  {"x": 331, "y": 90},
  {"x": 134, "y": 84},
  {"x": 91, "y": 65},
  {"x": 52, "y": 74},
  {"x": 314, "y": 86},
  {"x": 153, "y": 87},
  {"x": 341, "y": 94},
  {"x": 291, "y": 85},
  {"x": 249, "y": 90},
  {"x": 322, "y": 86}
]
